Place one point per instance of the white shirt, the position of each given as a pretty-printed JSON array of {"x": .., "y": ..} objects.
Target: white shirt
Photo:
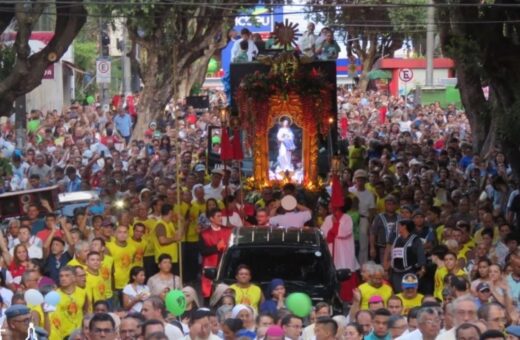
[
  {"x": 307, "y": 42},
  {"x": 291, "y": 219},
  {"x": 366, "y": 201},
  {"x": 252, "y": 50},
  {"x": 448, "y": 335},
  {"x": 172, "y": 332},
  {"x": 6, "y": 294},
  {"x": 308, "y": 332},
  {"x": 234, "y": 220},
  {"x": 415, "y": 335},
  {"x": 131, "y": 292},
  {"x": 211, "y": 192}
]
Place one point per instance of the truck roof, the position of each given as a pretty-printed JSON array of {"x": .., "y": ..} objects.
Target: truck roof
[{"x": 257, "y": 235}]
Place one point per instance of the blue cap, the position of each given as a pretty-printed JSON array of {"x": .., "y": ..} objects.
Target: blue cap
[
  {"x": 410, "y": 281},
  {"x": 275, "y": 283},
  {"x": 16, "y": 310},
  {"x": 246, "y": 334},
  {"x": 513, "y": 330}
]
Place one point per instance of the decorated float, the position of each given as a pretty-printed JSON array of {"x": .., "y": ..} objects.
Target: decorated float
[{"x": 287, "y": 112}]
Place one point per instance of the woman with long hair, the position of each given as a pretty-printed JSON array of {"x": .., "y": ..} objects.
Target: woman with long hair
[
  {"x": 19, "y": 263},
  {"x": 481, "y": 273}
]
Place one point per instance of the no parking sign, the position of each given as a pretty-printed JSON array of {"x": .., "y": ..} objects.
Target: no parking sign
[
  {"x": 103, "y": 71},
  {"x": 406, "y": 75}
]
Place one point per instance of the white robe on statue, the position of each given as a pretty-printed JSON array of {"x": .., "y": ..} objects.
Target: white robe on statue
[{"x": 344, "y": 248}]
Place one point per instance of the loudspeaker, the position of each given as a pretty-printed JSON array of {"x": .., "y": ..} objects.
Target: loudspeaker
[{"x": 199, "y": 103}]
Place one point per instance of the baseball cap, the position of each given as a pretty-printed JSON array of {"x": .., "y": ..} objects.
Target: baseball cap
[
  {"x": 200, "y": 167},
  {"x": 274, "y": 331},
  {"x": 360, "y": 173},
  {"x": 410, "y": 281},
  {"x": 375, "y": 299},
  {"x": 513, "y": 330},
  {"x": 483, "y": 286}
]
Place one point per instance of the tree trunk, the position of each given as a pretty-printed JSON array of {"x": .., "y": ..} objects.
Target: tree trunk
[
  {"x": 170, "y": 70},
  {"x": 368, "y": 57},
  {"x": 363, "y": 78}
]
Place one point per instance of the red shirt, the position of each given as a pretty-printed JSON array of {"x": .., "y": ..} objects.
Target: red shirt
[{"x": 44, "y": 234}]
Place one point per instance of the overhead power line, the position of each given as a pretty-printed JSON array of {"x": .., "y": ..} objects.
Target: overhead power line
[{"x": 268, "y": 5}]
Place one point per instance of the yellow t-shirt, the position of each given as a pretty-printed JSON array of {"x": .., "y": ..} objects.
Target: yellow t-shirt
[
  {"x": 438, "y": 232},
  {"x": 106, "y": 273},
  {"x": 140, "y": 250},
  {"x": 248, "y": 296},
  {"x": 440, "y": 274},
  {"x": 355, "y": 157},
  {"x": 149, "y": 234},
  {"x": 380, "y": 203},
  {"x": 410, "y": 303},
  {"x": 123, "y": 261},
  {"x": 68, "y": 315},
  {"x": 39, "y": 310},
  {"x": 180, "y": 212},
  {"x": 196, "y": 209},
  {"x": 173, "y": 248},
  {"x": 478, "y": 235},
  {"x": 367, "y": 291},
  {"x": 74, "y": 263},
  {"x": 96, "y": 288}
]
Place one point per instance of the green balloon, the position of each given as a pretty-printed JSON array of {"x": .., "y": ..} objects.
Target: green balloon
[
  {"x": 213, "y": 65},
  {"x": 175, "y": 302},
  {"x": 90, "y": 100},
  {"x": 299, "y": 304},
  {"x": 33, "y": 125}
]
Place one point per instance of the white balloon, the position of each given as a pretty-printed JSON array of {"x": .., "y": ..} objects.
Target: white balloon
[{"x": 33, "y": 297}]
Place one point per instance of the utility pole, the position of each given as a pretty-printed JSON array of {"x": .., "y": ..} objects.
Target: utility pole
[
  {"x": 125, "y": 63},
  {"x": 430, "y": 36},
  {"x": 105, "y": 54}
]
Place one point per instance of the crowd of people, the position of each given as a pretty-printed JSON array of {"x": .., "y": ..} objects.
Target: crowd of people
[
  {"x": 427, "y": 227},
  {"x": 320, "y": 46}
]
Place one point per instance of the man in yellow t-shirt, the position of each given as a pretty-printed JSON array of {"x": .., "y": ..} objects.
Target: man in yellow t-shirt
[
  {"x": 190, "y": 244},
  {"x": 69, "y": 312},
  {"x": 167, "y": 237},
  {"x": 374, "y": 287},
  {"x": 449, "y": 267},
  {"x": 123, "y": 254},
  {"x": 81, "y": 250},
  {"x": 246, "y": 293},
  {"x": 150, "y": 267},
  {"x": 410, "y": 297},
  {"x": 139, "y": 243},
  {"x": 95, "y": 288},
  {"x": 106, "y": 268}
]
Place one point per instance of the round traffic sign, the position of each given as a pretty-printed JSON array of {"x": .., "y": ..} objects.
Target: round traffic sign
[
  {"x": 103, "y": 67},
  {"x": 406, "y": 74}
]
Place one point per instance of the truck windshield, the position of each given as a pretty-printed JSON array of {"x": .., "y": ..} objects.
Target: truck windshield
[{"x": 289, "y": 263}]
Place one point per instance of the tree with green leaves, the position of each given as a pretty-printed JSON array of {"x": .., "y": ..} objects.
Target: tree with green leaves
[
  {"x": 176, "y": 42},
  {"x": 372, "y": 29},
  {"x": 369, "y": 34},
  {"x": 26, "y": 72},
  {"x": 484, "y": 40}
]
